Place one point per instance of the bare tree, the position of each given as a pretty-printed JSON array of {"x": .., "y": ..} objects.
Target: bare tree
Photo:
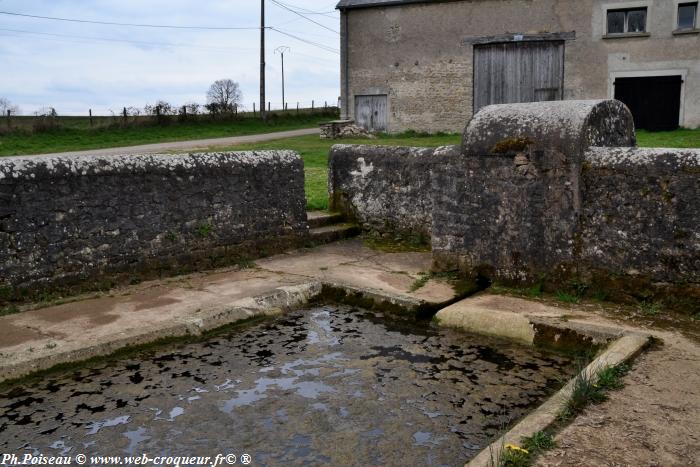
[
  {"x": 46, "y": 112},
  {"x": 6, "y": 105},
  {"x": 223, "y": 96},
  {"x": 161, "y": 108},
  {"x": 192, "y": 108}
]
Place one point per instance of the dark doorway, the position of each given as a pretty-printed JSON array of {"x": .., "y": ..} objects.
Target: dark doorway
[
  {"x": 512, "y": 72},
  {"x": 655, "y": 101}
]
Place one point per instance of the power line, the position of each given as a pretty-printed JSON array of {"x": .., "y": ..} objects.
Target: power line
[
  {"x": 65, "y": 38},
  {"x": 106, "y": 39},
  {"x": 305, "y": 17},
  {"x": 315, "y": 44},
  {"x": 328, "y": 14},
  {"x": 169, "y": 44},
  {"x": 110, "y": 23}
]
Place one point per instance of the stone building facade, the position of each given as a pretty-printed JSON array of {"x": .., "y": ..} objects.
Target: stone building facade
[{"x": 428, "y": 65}]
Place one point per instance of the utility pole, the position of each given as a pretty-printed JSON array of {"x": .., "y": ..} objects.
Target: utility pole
[
  {"x": 262, "y": 60},
  {"x": 281, "y": 50}
]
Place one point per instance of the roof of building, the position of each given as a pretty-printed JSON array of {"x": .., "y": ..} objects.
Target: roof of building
[{"x": 349, "y": 4}]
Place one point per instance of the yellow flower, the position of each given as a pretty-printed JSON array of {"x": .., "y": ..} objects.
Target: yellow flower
[{"x": 513, "y": 447}]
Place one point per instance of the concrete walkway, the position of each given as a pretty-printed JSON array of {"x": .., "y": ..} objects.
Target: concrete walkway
[
  {"x": 190, "y": 145},
  {"x": 39, "y": 339}
]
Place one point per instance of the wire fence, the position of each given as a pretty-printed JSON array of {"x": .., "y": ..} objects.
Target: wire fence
[
  {"x": 166, "y": 109},
  {"x": 160, "y": 113}
]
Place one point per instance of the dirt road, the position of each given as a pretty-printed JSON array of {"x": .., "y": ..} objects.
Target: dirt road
[{"x": 193, "y": 144}]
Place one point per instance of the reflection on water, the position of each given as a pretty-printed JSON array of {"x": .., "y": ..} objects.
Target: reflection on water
[{"x": 329, "y": 385}]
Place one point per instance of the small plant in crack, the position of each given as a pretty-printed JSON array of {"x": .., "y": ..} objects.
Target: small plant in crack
[
  {"x": 650, "y": 308},
  {"x": 567, "y": 297},
  {"x": 205, "y": 230},
  {"x": 592, "y": 388},
  {"x": 540, "y": 441}
]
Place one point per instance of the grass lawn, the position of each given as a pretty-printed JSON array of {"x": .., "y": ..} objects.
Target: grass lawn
[
  {"x": 74, "y": 134},
  {"x": 682, "y": 138},
  {"x": 314, "y": 151}
]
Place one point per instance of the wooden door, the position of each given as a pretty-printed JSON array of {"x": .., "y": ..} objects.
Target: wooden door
[
  {"x": 371, "y": 112},
  {"x": 512, "y": 72}
]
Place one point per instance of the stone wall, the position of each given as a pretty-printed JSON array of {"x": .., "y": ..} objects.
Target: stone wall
[
  {"x": 640, "y": 224},
  {"x": 508, "y": 206},
  {"x": 508, "y": 217},
  {"x": 551, "y": 193},
  {"x": 71, "y": 222},
  {"x": 385, "y": 189}
]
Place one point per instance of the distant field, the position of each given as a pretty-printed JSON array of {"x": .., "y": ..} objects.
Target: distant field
[{"x": 75, "y": 133}]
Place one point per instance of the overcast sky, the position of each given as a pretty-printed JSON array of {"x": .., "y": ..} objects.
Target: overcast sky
[{"x": 105, "y": 67}]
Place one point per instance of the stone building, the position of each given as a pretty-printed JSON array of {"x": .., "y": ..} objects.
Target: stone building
[{"x": 429, "y": 65}]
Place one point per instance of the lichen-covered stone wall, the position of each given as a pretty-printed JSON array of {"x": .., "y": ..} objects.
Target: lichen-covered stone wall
[
  {"x": 507, "y": 216},
  {"x": 71, "y": 222},
  {"x": 385, "y": 189},
  {"x": 541, "y": 193},
  {"x": 640, "y": 223}
]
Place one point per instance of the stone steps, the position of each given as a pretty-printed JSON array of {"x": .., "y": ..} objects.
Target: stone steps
[
  {"x": 328, "y": 227},
  {"x": 318, "y": 219},
  {"x": 334, "y": 233}
]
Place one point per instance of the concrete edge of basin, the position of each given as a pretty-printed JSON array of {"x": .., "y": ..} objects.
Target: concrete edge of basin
[
  {"x": 192, "y": 324},
  {"x": 356, "y": 295},
  {"x": 623, "y": 346}
]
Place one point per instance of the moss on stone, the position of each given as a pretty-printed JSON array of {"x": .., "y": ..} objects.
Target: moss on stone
[{"x": 512, "y": 145}]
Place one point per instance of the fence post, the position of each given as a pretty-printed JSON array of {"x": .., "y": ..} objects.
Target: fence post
[
  {"x": 9, "y": 113},
  {"x": 269, "y": 107},
  {"x": 325, "y": 105},
  {"x": 286, "y": 106},
  {"x": 90, "y": 112},
  {"x": 297, "y": 108},
  {"x": 184, "y": 112},
  {"x": 253, "y": 109},
  {"x": 124, "y": 114},
  {"x": 312, "y": 105}
]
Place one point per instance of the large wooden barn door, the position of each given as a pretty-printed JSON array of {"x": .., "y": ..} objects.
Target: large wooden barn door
[
  {"x": 511, "y": 72},
  {"x": 371, "y": 112}
]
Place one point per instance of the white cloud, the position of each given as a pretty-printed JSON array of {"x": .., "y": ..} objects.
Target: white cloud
[{"x": 80, "y": 72}]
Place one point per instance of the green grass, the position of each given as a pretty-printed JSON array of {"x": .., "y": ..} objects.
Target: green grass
[
  {"x": 75, "y": 133},
  {"x": 650, "y": 308},
  {"x": 593, "y": 388},
  {"x": 682, "y": 138},
  {"x": 610, "y": 377},
  {"x": 314, "y": 151},
  {"x": 567, "y": 297},
  {"x": 539, "y": 442}
]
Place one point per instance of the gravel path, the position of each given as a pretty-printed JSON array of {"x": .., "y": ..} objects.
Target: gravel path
[{"x": 192, "y": 144}]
